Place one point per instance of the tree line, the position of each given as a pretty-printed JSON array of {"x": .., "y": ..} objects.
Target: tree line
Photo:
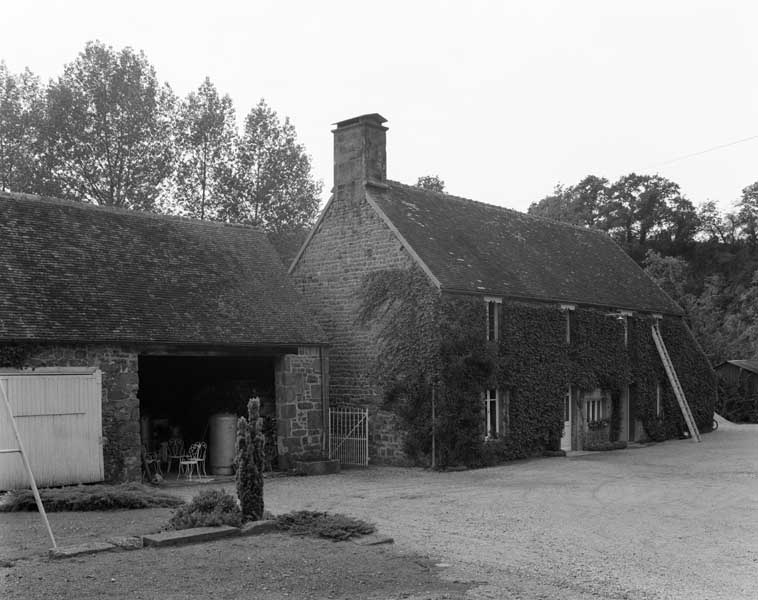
[
  {"x": 704, "y": 258},
  {"x": 108, "y": 132}
]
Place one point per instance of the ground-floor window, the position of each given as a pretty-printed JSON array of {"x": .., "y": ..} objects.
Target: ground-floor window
[
  {"x": 658, "y": 405},
  {"x": 491, "y": 414},
  {"x": 596, "y": 407}
]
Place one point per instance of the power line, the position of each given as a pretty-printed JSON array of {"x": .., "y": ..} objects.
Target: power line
[{"x": 719, "y": 147}]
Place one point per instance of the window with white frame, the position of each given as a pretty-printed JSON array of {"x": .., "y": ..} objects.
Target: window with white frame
[
  {"x": 493, "y": 317},
  {"x": 658, "y": 403},
  {"x": 491, "y": 414},
  {"x": 596, "y": 407},
  {"x": 569, "y": 309}
]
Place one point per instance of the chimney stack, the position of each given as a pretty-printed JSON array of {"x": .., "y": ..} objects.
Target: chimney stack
[{"x": 360, "y": 153}]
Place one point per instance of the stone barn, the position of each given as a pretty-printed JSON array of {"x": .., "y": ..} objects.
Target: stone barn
[{"x": 121, "y": 329}]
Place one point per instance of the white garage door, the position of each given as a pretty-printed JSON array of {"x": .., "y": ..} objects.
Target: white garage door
[{"x": 59, "y": 417}]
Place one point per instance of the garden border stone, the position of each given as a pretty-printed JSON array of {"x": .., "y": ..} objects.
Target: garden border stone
[
  {"x": 189, "y": 536},
  {"x": 79, "y": 549}
]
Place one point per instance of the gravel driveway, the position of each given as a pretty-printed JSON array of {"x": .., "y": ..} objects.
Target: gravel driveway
[{"x": 670, "y": 520}]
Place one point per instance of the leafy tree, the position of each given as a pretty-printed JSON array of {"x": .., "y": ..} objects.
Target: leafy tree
[
  {"x": 431, "y": 182},
  {"x": 581, "y": 204},
  {"x": 108, "y": 128},
  {"x": 717, "y": 226},
  {"x": 272, "y": 186},
  {"x": 21, "y": 115},
  {"x": 670, "y": 273},
  {"x": 641, "y": 205},
  {"x": 205, "y": 139},
  {"x": 747, "y": 215}
]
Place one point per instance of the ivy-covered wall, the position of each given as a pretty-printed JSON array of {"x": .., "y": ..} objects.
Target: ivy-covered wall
[{"x": 434, "y": 347}]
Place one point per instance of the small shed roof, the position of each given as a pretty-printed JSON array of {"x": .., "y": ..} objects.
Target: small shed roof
[
  {"x": 747, "y": 365},
  {"x": 76, "y": 272}
]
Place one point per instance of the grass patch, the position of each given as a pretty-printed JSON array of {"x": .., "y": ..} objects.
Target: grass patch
[
  {"x": 90, "y": 497},
  {"x": 209, "y": 508},
  {"x": 324, "y": 525}
]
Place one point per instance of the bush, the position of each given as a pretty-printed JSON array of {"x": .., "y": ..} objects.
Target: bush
[
  {"x": 603, "y": 446},
  {"x": 90, "y": 497},
  {"x": 321, "y": 524},
  {"x": 210, "y": 508}
]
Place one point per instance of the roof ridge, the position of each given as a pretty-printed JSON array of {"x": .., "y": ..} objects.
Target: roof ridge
[
  {"x": 131, "y": 212},
  {"x": 500, "y": 208}
]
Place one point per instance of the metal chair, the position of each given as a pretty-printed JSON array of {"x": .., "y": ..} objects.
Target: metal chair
[
  {"x": 175, "y": 452},
  {"x": 195, "y": 459}
]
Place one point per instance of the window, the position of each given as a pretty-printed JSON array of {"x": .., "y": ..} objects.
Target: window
[
  {"x": 570, "y": 324},
  {"x": 658, "y": 407},
  {"x": 491, "y": 414},
  {"x": 493, "y": 318},
  {"x": 626, "y": 315},
  {"x": 596, "y": 407}
]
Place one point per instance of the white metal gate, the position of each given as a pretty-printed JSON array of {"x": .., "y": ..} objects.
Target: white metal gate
[
  {"x": 348, "y": 435},
  {"x": 58, "y": 412}
]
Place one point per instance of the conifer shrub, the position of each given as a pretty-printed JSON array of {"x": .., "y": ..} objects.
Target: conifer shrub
[{"x": 250, "y": 461}]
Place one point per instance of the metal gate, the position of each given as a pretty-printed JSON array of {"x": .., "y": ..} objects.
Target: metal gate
[
  {"x": 348, "y": 435},
  {"x": 58, "y": 414}
]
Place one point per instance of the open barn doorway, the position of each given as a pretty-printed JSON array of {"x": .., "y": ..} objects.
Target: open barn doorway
[{"x": 184, "y": 398}]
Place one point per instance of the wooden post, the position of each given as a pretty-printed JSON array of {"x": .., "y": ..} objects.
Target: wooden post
[{"x": 28, "y": 467}]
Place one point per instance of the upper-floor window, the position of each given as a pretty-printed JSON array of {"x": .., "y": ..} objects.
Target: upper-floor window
[
  {"x": 493, "y": 317},
  {"x": 568, "y": 310},
  {"x": 626, "y": 315}
]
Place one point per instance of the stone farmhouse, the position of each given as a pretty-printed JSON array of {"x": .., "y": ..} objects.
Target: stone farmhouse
[
  {"x": 593, "y": 370},
  {"x": 118, "y": 328}
]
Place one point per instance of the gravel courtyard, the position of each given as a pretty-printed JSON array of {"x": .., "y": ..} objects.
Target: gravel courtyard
[
  {"x": 670, "y": 520},
  {"x": 666, "y": 521}
]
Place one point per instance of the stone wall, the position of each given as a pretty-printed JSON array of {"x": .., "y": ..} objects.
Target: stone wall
[
  {"x": 299, "y": 407},
  {"x": 121, "y": 433},
  {"x": 350, "y": 242}
]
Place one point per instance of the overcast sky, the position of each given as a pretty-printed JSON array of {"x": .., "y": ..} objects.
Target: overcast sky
[{"x": 502, "y": 100}]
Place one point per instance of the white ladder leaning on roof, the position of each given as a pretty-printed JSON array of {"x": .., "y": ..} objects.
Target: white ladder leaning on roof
[
  {"x": 28, "y": 467},
  {"x": 674, "y": 379}
]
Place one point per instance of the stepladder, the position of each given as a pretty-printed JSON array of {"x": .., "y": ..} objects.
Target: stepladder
[{"x": 675, "y": 383}]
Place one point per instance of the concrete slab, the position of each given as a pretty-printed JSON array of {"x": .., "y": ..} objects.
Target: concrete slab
[
  {"x": 189, "y": 536},
  {"x": 258, "y": 527},
  {"x": 80, "y": 549},
  {"x": 373, "y": 539}
]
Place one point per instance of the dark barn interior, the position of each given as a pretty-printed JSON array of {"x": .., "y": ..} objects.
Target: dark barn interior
[{"x": 179, "y": 394}]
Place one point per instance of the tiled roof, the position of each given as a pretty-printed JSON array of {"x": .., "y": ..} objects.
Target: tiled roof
[
  {"x": 71, "y": 271},
  {"x": 747, "y": 365},
  {"x": 474, "y": 247},
  {"x": 287, "y": 244}
]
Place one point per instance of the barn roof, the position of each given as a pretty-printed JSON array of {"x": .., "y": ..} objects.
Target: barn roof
[
  {"x": 474, "y": 247},
  {"x": 76, "y": 272}
]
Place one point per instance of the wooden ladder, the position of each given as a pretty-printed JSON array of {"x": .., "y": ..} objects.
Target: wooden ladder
[
  {"x": 27, "y": 466},
  {"x": 674, "y": 379}
]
